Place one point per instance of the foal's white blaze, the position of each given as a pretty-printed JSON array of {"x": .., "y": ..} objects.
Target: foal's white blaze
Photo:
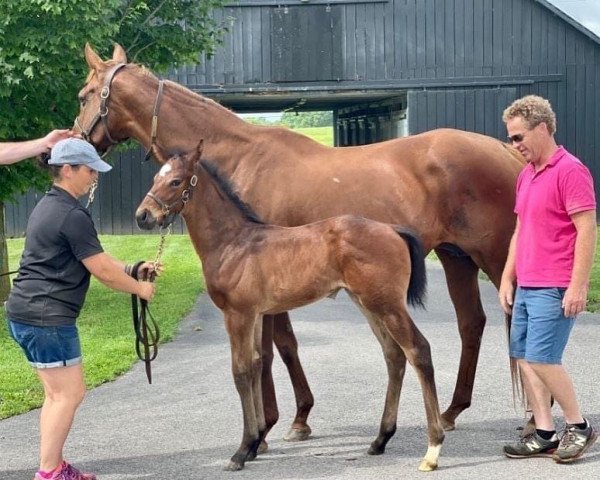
[
  {"x": 166, "y": 168},
  {"x": 430, "y": 461}
]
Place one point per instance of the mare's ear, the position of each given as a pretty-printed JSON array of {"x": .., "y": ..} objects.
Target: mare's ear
[
  {"x": 157, "y": 153},
  {"x": 92, "y": 58},
  {"x": 119, "y": 54}
]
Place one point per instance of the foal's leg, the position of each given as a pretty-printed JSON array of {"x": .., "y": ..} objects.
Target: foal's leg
[
  {"x": 461, "y": 277},
  {"x": 271, "y": 411},
  {"x": 244, "y": 367},
  {"x": 395, "y": 361},
  {"x": 257, "y": 394},
  {"x": 286, "y": 343},
  {"x": 417, "y": 351}
]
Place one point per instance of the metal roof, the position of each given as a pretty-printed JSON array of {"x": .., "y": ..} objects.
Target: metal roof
[{"x": 555, "y": 7}]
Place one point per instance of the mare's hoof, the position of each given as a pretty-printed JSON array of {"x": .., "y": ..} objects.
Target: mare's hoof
[
  {"x": 527, "y": 429},
  {"x": 298, "y": 434},
  {"x": 376, "y": 449},
  {"x": 427, "y": 466},
  {"x": 263, "y": 447},
  {"x": 233, "y": 466}
]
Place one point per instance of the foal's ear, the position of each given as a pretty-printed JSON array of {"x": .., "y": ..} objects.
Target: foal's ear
[
  {"x": 119, "y": 54},
  {"x": 92, "y": 58}
]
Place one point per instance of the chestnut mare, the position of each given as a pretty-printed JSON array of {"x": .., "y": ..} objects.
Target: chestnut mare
[
  {"x": 252, "y": 269},
  {"x": 455, "y": 189}
]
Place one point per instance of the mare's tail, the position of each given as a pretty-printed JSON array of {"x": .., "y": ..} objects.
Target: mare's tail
[{"x": 417, "y": 284}]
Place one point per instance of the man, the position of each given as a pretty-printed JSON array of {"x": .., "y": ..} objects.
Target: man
[
  {"x": 550, "y": 258},
  {"x": 61, "y": 251},
  {"x": 12, "y": 152}
]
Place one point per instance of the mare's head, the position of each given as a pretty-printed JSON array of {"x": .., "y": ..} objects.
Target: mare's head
[
  {"x": 102, "y": 118},
  {"x": 170, "y": 191}
]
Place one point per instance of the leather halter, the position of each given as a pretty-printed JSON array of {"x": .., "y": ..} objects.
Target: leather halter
[
  {"x": 103, "y": 112},
  {"x": 166, "y": 208}
]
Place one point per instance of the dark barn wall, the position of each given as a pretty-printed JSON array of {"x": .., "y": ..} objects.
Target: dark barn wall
[{"x": 440, "y": 63}]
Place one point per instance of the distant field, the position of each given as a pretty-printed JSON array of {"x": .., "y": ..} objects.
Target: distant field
[{"x": 322, "y": 135}]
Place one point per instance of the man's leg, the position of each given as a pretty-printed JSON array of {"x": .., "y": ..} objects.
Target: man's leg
[
  {"x": 64, "y": 390},
  {"x": 556, "y": 380}
]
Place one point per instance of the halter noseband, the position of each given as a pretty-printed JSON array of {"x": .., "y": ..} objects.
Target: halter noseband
[
  {"x": 185, "y": 196},
  {"x": 103, "y": 112}
]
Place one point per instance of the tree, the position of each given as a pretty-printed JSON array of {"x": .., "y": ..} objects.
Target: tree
[
  {"x": 307, "y": 119},
  {"x": 42, "y": 65}
]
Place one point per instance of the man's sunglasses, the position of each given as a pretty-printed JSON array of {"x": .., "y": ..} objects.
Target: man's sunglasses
[{"x": 518, "y": 138}]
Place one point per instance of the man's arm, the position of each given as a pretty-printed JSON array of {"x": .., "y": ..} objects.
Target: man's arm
[
  {"x": 111, "y": 273},
  {"x": 12, "y": 152},
  {"x": 585, "y": 248}
]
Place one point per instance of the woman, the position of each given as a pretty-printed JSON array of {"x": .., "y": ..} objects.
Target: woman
[{"x": 61, "y": 251}]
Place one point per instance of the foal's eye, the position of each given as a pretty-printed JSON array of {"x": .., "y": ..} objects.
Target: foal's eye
[{"x": 175, "y": 183}]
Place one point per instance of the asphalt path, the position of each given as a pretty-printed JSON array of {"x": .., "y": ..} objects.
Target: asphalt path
[{"x": 188, "y": 423}]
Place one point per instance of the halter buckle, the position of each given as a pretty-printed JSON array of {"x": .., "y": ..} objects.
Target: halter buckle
[
  {"x": 105, "y": 92},
  {"x": 194, "y": 180}
]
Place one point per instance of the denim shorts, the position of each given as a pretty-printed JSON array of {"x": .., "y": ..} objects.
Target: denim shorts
[
  {"x": 539, "y": 330},
  {"x": 47, "y": 347}
]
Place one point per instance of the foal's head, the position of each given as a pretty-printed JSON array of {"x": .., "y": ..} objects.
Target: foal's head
[{"x": 171, "y": 190}]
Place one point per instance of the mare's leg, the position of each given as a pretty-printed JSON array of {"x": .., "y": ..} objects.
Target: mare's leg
[
  {"x": 461, "y": 277},
  {"x": 417, "y": 351},
  {"x": 271, "y": 411},
  {"x": 286, "y": 344},
  {"x": 244, "y": 366}
]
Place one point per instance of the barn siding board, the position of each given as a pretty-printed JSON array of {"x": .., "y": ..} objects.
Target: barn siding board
[{"x": 458, "y": 61}]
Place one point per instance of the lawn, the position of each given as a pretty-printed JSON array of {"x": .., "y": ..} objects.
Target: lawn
[
  {"x": 322, "y": 135},
  {"x": 105, "y": 323}
]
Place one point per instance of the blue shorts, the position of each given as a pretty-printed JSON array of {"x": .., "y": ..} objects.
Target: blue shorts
[
  {"x": 47, "y": 347},
  {"x": 539, "y": 331}
]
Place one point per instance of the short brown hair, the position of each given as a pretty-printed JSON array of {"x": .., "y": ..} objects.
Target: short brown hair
[{"x": 533, "y": 110}]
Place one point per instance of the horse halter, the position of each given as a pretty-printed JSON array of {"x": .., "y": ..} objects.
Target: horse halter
[
  {"x": 103, "y": 113},
  {"x": 166, "y": 208},
  {"x": 102, "y": 110}
]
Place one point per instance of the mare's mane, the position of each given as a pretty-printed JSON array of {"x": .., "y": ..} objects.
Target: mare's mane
[{"x": 226, "y": 188}]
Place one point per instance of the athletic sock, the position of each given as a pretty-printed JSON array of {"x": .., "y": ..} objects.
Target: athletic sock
[
  {"x": 581, "y": 426},
  {"x": 545, "y": 434}
]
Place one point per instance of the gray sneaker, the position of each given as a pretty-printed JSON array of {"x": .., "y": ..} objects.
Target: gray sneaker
[
  {"x": 574, "y": 442},
  {"x": 532, "y": 446}
]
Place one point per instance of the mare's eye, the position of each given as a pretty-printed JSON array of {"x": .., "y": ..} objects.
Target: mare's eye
[{"x": 175, "y": 183}]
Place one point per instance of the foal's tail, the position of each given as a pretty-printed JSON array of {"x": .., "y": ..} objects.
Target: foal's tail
[{"x": 417, "y": 284}]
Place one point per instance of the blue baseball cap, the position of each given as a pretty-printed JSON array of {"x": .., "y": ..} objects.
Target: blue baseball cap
[{"x": 74, "y": 151}]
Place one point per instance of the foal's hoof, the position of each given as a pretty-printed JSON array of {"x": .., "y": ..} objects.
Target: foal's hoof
[
  {"x": 263, "y": 447},
  {"x": 448, "y": 425},
  {"x": 298, "y": 434},
  {"x": 427, "y": 466}
]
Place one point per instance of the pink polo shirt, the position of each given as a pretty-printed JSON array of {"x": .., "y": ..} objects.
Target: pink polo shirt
[{"x": 545, "y": 201}]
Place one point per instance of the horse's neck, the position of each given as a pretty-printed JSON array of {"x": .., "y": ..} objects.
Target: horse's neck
[
  {"x": 183, "y": 119},
  {"x": 212, "y": 220}
]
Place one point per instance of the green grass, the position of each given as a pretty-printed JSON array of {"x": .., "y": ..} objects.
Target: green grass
[
  {"x": 105, "y": 323},
  {"x": 322, "y": 135}
]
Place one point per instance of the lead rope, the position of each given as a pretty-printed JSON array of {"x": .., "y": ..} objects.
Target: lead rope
[
  {"x": 147, "y": 335},
  {"x": 91, "y": 193},
  {"x": 147, "y": 332}
]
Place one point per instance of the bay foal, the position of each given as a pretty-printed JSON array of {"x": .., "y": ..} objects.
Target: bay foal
[{"x": 252, "y": 269}]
